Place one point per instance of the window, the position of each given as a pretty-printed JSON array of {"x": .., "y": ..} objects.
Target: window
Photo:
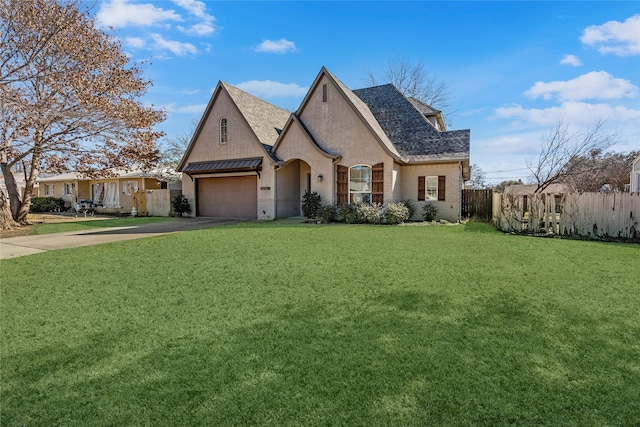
[
  {"x": 324, "y": 93},
  {"x": 223, "y": 131},
  {"x": 49, "y": 189},
  {"x": 129, "y": 187},
  {"x": 67, "y": 189},
  {"x": 431, "y": 188},
  {"x": 360, "y": 184}
]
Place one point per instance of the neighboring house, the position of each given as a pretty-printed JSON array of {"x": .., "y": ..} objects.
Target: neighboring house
[
  {"x": 531, "y": 188},
  {"x": 20, "y": 182},
  {"x": 635, "y": 175},
  {"x": 113, "y": 194},
  {"x": 251, "y": 159}
]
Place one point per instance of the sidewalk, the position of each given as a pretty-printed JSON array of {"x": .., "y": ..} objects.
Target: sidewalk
[{"x": 27, "y": 245}]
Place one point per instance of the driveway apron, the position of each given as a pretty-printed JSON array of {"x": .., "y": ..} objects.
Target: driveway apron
[{"x": 26, "y": 245}]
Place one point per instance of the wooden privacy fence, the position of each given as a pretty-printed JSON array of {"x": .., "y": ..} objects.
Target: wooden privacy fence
[
  {"x": 593, "y": 215},
  {"x": 477, "y": 204},
  {"x": 155, "y": 202}
]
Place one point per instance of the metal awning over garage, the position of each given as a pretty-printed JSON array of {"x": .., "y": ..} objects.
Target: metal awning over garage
[{"x": 253, "y": 164}]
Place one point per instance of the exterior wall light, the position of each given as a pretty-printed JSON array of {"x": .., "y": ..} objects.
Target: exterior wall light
[{"x": 320, "y": 178}]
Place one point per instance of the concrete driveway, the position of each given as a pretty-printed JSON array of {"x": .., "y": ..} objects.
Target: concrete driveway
[{"x": 26, "y": 245}]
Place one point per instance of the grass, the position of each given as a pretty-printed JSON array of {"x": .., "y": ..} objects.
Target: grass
[
  {"x": 272, "y": 324},
  {"x": 61, "y": 227}
]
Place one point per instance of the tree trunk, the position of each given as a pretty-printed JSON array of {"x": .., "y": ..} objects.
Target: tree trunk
[
  {"x": 6, "y": 219},
  {"x": 30, "y": 182},
  {"x": 12, "y": 189}
]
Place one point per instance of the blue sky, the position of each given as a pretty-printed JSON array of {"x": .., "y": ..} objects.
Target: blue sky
[{"x": 514, "y": 67}]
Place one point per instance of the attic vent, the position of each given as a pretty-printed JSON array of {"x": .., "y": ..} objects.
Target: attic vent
[{"x": 324, "y": 93}]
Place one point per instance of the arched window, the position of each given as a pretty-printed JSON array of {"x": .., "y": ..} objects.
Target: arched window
[
  {"x": 360, "y": 184},
  {"x": 223, "y": 131}
]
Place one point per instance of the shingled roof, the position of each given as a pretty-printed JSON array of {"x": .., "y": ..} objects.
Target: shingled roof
[
  {"x": 409, "y": 130},
  {"x": 266, "y": 120}
]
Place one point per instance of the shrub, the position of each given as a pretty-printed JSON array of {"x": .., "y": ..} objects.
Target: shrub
[
  {"x": 347, "y": 213},
  {"x": 369, "y": 213},
  {"x": 430, "y": 211},
  {"x": 411, "y": 207},
  {"x": 329, "y": 213},
  {"x": 47, "y": 204},
  {"x": 180, "y": 205},
  {"x": 311, "y": 204},
  {"x": 396, "y": 213}
]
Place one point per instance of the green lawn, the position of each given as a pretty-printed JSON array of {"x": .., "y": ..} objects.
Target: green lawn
[
  {"x": 60, "y": 227},
  {"x": 305, "y": 325}
]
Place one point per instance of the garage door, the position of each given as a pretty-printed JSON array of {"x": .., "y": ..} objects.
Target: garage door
[{"x": 230, "y": 197}]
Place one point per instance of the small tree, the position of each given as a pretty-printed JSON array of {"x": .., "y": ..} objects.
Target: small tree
[
  {"x": 311, "y": 202},
  {"x": 561, "y": 147},
  {"x": 180, "y": 205}
]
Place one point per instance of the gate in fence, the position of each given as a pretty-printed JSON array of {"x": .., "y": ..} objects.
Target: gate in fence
[{"x": 477, "y": 204}]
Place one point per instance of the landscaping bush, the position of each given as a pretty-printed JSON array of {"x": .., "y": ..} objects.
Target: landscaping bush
[
  {"x": 430, "y": 211},
  {"x": 411, "y": 207},
  {"x": 311, "y": 202},
  {"x": 47, "y": 204},
  {"x": 369, "y": 213},
  {"x": 396, "y": 213},
  {"x": 347, "y": 213},
  {"x": 180, "y": 205},
  {"x": 329, "y": 213}
]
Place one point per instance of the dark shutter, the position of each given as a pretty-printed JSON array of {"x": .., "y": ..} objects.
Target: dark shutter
[
  {"x": 377, "y": 183},
  {"x": 421, "y": 187},
  {"x": 343, "y": 185},
  {"x": 441, "y": 187}
]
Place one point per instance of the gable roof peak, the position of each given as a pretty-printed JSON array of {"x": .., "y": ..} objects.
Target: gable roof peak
[{"x": 265, "y": 119}]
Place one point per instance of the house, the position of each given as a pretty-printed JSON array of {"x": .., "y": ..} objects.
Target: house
[
  {"x": 20, "y": 183},
  {"x": 114, "y": 194},
  {"x": 531, "y": 188},
  {"x": 250, "y": 159},
  {"x": 634, "y": 179}
]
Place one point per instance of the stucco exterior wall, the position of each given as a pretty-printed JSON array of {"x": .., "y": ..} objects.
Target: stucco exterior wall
[
  {"x": 338, "y": 129},
  {"x": 448, "y": 209},
  {"x": 296, "y": 145},
  {"x": 242, "y": 143}
]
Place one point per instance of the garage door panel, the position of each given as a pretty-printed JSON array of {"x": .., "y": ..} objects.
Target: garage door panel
[{"x": 229, "y": 197}]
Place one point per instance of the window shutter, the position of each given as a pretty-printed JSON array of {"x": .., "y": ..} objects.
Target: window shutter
[
  {"x": 377, "y": 183},
  {"x": 441, "y": 187},
  {"x": 421, "y": 187},
  {"x": 343, "y": 184}
]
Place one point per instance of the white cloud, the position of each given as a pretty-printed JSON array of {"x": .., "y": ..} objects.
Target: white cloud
[
  {"x": 571, "y": 60},
  {"x": 188, "y": 109},
  {"x": 270, "y": 89},
  {"x": 175, "y": 47},
  {"x": 121, "y": 13},
  {"x": 276, "y": 46},
  {"x": 194, "y": 7},
  {"x": 201, "y": 29},
  {"x": 593, "y": 85},
  {"x": 577, "y": 113},
  {"x": 135, "y": 42},
  {"x": 197, "y": 9},
  {"x": 618, "y": 38}
]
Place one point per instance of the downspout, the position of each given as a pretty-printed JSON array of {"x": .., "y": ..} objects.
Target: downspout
[{"x": 461, "y": 184}]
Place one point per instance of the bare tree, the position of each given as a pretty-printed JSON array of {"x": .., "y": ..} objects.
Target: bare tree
[
  {"x": 561, "y": 146},
  {"x": 478, "y": 177},
  {"x": 64, "y": 106},
  {"x": 413, "y": 80}
]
